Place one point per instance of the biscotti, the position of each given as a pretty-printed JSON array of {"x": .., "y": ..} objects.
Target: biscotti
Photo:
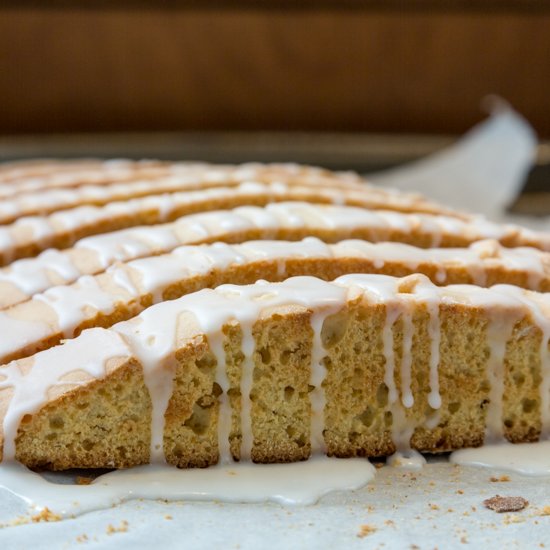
[
  {"x": 51, "y": 200},
  {"x": 25, "y": 177},
  {"x": 144, "y": 362},
  {"x": 284, "y": 221},
  {"x": 126, "y": 289},
  {"x": 30, "y": 235},
  {"x": 276, "y": 372}
]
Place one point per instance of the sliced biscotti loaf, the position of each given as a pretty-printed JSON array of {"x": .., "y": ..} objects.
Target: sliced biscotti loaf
[
  {"x": 46, "y": 201},
  {"x": 67, "y": 175},
  {"x": 25, "y": 177},
  {"x": 30, "y": 235},
  {"x": 275, "y": 372},
  {"x": 286, "y": 221},
  {"x": 35, "y": 175},
  {"x": 124, "y": 290}
]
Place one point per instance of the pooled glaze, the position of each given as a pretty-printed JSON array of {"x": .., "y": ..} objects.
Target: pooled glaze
[
  {"x": 298, "y": 483},
  {"x": 530, "y": 459}
]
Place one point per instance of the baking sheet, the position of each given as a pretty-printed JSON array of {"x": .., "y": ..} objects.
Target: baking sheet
[{"x": 439, "y": 506}]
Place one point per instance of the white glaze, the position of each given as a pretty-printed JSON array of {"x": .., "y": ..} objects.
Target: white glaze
[
  {"x": 31, "y": 275},
  {"x": 408, "y": 460},
  {"x": 70, "y": 302},
  {"x": 531, "y": 459},
  {"x": 299, "y": 483}
]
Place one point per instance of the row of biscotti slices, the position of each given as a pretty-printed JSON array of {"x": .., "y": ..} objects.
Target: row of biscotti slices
[
  {"x": 30, "y": 235},
  {"x": 31, "y": 177},
  {"x": 277, "y": 371},
  {"x": 287, "y": 221},
  {"x": 46, "y": 201},
  {"x": 124, "y": 290}
]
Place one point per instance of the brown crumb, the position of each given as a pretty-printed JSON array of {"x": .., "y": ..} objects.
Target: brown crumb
[
  {"x": 81, "y": 480},
  {"x": 82, "y": 538},
  {"x": 500, "y": 479},
  {"x": 460, "y": 492},
  {"x": 122, "y": 528},
  {"x": 434, "y": 507},
  {"x": 505, "y": 504},
  {"x": 45, "y": 515},
  {"x": 168, "y": 516},
  {"x": 365, "y": 530},
  {"x": 545, "y": 511},
  {"x": 389, "y": 522},
  {"x": 463, "y": 540}
]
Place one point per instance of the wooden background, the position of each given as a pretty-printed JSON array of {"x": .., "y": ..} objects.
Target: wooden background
[{"x": 311, "y": 66}]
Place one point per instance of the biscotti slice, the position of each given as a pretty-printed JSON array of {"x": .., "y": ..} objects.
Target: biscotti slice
[
  {"x": 276, "y": 372},
  {"x": 46, "y": 201},
  {"x": 126, "y": 289},
  {"x": 37, "y": 176},
  {"x": 116, "y": 180},
  {"x": 106, "y": 173},
  {"x": 287, "y": 221},
  {"x": 30, "y": 235}
]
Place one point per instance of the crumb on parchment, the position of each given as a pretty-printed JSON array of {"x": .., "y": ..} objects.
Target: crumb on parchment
[
  {"x": 45, "y": 515},
  {"x": 122, "y": 528},
  {"x": 365, "y": 530},
  {"x": 83, "y": 480},
  {"x": 500, "y": 479}
]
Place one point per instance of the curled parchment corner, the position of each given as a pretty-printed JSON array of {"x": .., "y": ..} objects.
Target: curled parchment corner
[{"x": 482, "y": 172}]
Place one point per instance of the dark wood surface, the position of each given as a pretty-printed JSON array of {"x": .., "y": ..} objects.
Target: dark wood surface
[
  {"x": 144, "y": 66},
  {"x": 294, "y": 5}
]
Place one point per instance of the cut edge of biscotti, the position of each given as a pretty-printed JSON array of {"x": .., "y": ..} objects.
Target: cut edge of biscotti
[{"x": 358, "y": 367}]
